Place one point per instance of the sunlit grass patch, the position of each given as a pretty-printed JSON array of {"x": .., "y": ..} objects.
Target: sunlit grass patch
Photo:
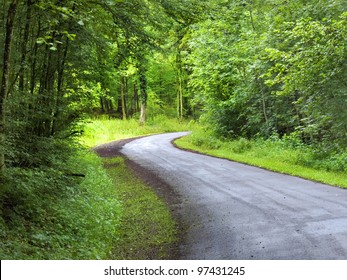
[{"x": 102, "y": 130}]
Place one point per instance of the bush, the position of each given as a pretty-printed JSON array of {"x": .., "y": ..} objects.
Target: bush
[
  {"x": 241, "y": 145},
  {"x": 333, "y": 161},
  {"x": 293, "y": 140},
  {"x": 205, "y": 138}
]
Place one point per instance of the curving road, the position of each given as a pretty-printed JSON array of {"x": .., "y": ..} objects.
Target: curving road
[{"x": 235, "y": 211}]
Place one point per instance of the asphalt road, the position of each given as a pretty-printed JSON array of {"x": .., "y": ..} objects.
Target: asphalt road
[{"x": 235, "y": 211}]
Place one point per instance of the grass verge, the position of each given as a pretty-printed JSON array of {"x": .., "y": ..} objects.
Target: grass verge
[
  {"x": 275, "y": 155},
  {"x": 147, "y": 229}
]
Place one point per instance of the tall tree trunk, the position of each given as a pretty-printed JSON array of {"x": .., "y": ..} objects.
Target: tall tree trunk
[
  {"x": 61, "y": 61},
  {"x": 136, "y": 99},
  {"x": 102, "y": 104},
  {"x": 143, "y": 95},
  {"x": 34, "y": 56},
  {"x": 143, "y": 113},
  {"x": 5, "y": 77},
  {"x": 180, "y": 85},
  {"x": 264, "y": 109},
  {"x": 123, "y": 90},
  {"x": 24, "y": 46},
  {"x": 263, "y": 103},
  {"x": 62, "y": 55},
  {"x": 47, "y": 92}
]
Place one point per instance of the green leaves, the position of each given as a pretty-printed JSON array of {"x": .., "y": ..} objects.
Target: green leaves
[{"x": 271, "y": 67}]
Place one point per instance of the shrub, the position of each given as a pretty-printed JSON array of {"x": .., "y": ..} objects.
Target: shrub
[
  {"x": 205, "y": 138},
  {"x": 334, "y": 162},
  {"x": 241, "y": 145}
]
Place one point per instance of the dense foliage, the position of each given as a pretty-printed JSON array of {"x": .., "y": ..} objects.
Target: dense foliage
[
  {"x": 255, "y": 69},
  {"x": 272, "y": 67}
]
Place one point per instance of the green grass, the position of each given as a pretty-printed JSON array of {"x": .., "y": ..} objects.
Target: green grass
[
  {"x": 284, "y": 156},
  {"x": 147, "y": 230}
]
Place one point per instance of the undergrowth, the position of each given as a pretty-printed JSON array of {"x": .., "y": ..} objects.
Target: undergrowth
[
  {"x": 287, "y": 154},
  {"x": 49, "y": 214}
]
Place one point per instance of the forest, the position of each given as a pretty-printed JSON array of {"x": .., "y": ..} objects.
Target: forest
[{"x": 243, "y": 69}]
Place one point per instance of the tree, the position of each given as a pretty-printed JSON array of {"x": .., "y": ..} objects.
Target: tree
[
  {"x": 184, "y": 15},
  {"x": 264, "y": 67},
  {"x": 314, "y": 68},
  {"x": 5, "y": 77}
]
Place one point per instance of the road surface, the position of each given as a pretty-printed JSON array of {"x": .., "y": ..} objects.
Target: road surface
[{"x": 235, "y": 211}]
